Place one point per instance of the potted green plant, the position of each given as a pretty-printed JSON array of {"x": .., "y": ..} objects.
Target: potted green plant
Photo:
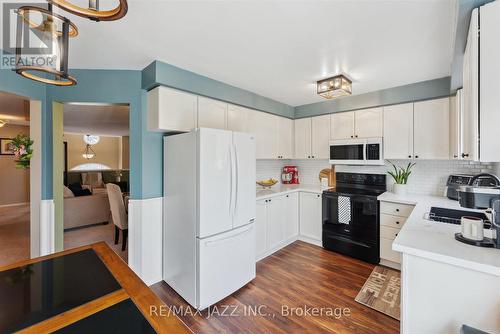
[
  {"x": 400, "y": 176},
  {"x": 21, "y": 145}
]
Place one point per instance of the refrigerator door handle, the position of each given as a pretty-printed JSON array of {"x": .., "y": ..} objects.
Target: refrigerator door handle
[
  {"x": 230, "y": 237},
  {"x": 230, "y": 181},
  {"x": 236, "y": 178}
]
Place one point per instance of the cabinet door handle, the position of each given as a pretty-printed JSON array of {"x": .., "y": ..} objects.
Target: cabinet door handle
[{"x": 464, "y": 155}]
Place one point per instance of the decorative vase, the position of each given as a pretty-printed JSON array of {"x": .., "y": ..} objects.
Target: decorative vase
[{"x": 399, "y": 189}]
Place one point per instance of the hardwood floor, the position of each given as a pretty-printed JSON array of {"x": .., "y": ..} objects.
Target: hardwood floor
[
  {"x": 14, "y": 233},
  {"x": 298, "y": 275}
]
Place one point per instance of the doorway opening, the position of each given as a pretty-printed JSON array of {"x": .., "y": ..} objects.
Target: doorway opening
[
  {"x": 96, "y": 174},
  {"x": 14, "y": 179}
]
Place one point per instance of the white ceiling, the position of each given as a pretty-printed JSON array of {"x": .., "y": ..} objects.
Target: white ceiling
[
  {"x": 278, "y": 48},
  {"x": 96, "y": 119}
]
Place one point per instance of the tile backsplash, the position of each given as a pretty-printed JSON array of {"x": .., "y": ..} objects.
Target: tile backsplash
[{"x": 428, "y": 176}]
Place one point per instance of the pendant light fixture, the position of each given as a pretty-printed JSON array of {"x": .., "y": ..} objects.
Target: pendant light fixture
[
  {"x": 89, "y": 152},
  {"x": 334, "y": 87},
  {"x": 92, "y": 12},
  {"x": 54, "y": 32}
]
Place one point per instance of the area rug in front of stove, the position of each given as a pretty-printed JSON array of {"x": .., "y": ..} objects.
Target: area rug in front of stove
[{"x": 382, "y": 291}]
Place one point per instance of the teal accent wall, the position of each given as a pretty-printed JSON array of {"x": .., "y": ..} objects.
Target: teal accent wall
[
  {"x": 413, "y": 92},
  {"x": 159, "y": 73},
  {"x": 119, "y": 86}
]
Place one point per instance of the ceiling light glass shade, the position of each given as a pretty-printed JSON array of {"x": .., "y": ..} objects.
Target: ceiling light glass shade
[
  {"x": 89, "y": 152},
  {"x": 334, "y": 87},
  {"x": 43, "y": 57},
  {"x": 92, "y": 11},
  {"x": 91, "y": 139}
]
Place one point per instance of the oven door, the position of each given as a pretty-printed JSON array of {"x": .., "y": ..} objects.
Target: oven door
[
  {"x": 347, "y": 152},
  {"x": 351, "y": 225}
]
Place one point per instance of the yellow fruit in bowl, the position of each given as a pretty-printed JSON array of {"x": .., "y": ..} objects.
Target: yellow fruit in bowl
[{"x": 267, "y": 183}]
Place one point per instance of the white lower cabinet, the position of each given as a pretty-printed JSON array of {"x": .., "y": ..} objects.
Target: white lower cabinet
[
  {"x": 310, "y": 218},
  {"x": 277, "y": 223},
  {"x": 283, "y": 219},
  {"x": 392, "y": 218}
]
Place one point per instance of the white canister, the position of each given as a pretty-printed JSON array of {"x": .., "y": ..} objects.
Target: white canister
[{"x": 472, "y": 228}]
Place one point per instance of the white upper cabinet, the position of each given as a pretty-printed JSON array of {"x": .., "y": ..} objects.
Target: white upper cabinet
[
  {"x": 285, "y": 138},
  {"x": 431, "y": 129},
  {"x": 211, "y": 113},
  {"x": 398, "y": 131},
  {"x": 171, "y": 110},
  {"x": 342, "y": 125},
  {"x": 489, "y": 76},
  {"x": 237, "y": 118},
  {"x": 265, "y": 128},
  {"x": 320, "y": 141},
  {"x": 455, "y": 121},
  {"x": 470, "y": 94},
  {"x": 303, "y": 138},
  {"x": 368, "y": 123}
]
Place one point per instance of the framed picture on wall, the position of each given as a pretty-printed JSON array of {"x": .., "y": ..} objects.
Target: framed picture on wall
[{"x": 6, "y": 147}]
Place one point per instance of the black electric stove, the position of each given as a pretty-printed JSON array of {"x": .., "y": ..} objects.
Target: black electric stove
[{"x": 351, "y": 215}]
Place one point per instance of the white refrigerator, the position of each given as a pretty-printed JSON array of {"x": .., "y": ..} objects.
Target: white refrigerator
[{"x": 209, "y": 212}]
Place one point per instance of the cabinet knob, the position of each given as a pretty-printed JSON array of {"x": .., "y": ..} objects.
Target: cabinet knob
[
  {"x": 455, "y": 156},
  {"x": 416, "y": 156},
  {"x": 397, "y": 223},
  {"x": 313, "y": 156},
  {"x": 397, "y": 210},
  {"x": 319, "y": 196},
  {"x": 356, "y": 136},
  {"x": 409, "y": 156},
  {"x": 308, "y": 157},
  {"x": 352, "y": 136},
  {"x": 396, "y": 234},
  {"x": 464, "y": 155},
  {"x": 287, "y": 196}
]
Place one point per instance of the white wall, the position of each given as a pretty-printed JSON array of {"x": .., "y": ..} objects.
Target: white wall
[{"x": 428, "y": 177}]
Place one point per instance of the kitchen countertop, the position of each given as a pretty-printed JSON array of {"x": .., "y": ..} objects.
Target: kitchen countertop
[
  {"x": 435, "y": 240},
  {"x": 282, "y": 189}
]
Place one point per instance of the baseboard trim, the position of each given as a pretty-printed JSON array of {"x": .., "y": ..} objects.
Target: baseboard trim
[
  {"x": 390, "y": 264},
  {"x": 311, "y": 240},
  {"x": 14, "y": 204}
]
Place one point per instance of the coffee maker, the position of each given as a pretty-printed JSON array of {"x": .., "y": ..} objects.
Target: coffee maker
[
  {"x": 481, "y": 197},
  {"x": 290, "y": 175}
]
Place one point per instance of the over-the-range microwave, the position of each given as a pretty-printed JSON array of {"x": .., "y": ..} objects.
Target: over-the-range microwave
[{"x": 367, "y": 151}]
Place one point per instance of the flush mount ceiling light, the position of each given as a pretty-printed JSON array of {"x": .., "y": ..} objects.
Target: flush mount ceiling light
[
  {"x": 48, "y": 61},
  {"x": 334, "y": 87},
  {"x": 92, "y": 12}
]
